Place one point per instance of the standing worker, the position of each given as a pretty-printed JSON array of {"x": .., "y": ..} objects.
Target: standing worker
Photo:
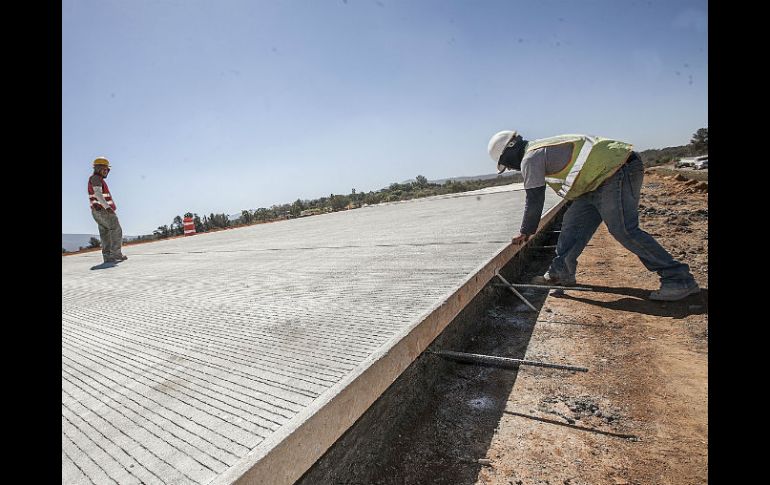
[
  {"x": 603, "y": 179},
  {"x": 103, "y": 211}
]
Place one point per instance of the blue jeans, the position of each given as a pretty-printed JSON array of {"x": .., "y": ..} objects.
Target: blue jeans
[{"x": 616, "y": 202}]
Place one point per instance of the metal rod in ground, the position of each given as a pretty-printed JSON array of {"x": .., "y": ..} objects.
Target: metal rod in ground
[
  {"x": 505, "y": 362},
  {"x": 516, "y": 292},
  {"x": 551, "y": 287}
]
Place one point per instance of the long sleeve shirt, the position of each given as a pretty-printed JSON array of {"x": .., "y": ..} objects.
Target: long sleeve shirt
[{"x": 535, "y": 165}]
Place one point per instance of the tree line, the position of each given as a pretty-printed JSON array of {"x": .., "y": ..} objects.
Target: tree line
[
  {"x": 699, "y": 145},
  {"x": 418, "y": 188}
]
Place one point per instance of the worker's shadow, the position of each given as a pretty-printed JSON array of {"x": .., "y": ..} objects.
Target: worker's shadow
[
  {"x": 639, "y": 302},
  {"x": 104, "y": 265}
]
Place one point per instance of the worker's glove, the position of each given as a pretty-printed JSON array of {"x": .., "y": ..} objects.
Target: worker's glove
[
  {"x": 110, "y": 210},
  {"x": 97, "y": 207}
]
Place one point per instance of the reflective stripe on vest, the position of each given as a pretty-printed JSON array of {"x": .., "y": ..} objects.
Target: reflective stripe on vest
[
  {"x": 576, "y": 166},
  {"x": 593, "y": 161}
]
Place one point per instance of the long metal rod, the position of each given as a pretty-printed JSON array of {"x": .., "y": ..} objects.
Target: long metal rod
[
  {"x": 544, "y": 247},
  {"x": 510, "y": 287},
  {"x": 545, "y": 287},
  {"x": 551, "y": 287},
  {"x": 505, "y": 362}
]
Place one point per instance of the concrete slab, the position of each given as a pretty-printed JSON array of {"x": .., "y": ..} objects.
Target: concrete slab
[{"x": 242, "y": 355}]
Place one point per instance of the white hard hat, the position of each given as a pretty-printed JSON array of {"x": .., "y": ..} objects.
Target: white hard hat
[{"x": 497, "y": 144}]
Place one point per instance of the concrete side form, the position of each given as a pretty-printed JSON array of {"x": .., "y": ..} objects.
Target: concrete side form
[{"x": 242, "y": 356}]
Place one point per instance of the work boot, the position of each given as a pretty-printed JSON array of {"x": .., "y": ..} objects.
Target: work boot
[
  {"x": 548, "y": 279},
  {"x": 673, "y": 294}
]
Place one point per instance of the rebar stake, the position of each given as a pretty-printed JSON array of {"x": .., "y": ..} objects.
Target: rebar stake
[
  {"x": 504, "y": 362},
  {"x": 551, "y": 287},
  {"x": 510, "y": 287}
]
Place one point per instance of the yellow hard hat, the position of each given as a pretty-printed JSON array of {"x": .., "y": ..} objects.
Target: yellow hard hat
[{"x": 101, "y": 161}]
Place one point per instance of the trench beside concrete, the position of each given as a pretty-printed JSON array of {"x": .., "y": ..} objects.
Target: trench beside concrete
[{"x": 242, "y": 356}]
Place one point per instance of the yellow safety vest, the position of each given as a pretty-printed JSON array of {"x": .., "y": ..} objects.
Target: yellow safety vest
[{"x": 594, "y": 160}]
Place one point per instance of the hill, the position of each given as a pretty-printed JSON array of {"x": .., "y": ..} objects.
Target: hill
[{"x": 72, "y": 242}]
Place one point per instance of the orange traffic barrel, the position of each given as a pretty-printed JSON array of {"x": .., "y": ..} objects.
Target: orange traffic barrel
[{"x": 189, "y": 226}]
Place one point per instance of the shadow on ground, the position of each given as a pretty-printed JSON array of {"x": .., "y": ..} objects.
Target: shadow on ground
[
  {"x": 104, "y": 266},
  {"x": 639, "y": 303}
]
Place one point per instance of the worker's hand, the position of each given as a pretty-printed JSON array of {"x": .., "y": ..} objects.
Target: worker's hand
[
  {"x": 97, "y": 207},
  {"x": 110, "y": 209},
  {"x": 520, "y": 239}
]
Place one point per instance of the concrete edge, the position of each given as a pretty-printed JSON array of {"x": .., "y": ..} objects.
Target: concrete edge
[{"x": 287, "y": 454}]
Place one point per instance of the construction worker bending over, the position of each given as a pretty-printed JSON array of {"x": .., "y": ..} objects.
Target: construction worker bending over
[
  {"x": 103, "y": 210},
  {"x": 603, "y": 179}
]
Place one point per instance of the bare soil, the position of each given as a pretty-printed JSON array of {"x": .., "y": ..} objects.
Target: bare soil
[
  {"x": 640, "y": 415},
  {"x": 690, "y": 173}
]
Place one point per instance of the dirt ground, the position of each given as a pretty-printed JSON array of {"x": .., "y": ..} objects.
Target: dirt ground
[{"x": 640, "y": 415}]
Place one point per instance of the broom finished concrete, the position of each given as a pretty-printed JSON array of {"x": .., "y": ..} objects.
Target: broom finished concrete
[{"x": 240, "y": 356}]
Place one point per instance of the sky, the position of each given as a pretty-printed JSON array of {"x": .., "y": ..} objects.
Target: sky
[{"x": 225, "y": 105}]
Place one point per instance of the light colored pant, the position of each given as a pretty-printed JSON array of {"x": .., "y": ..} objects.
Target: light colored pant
[
  {"x": 616, "y": 202},
  {"x": 110, "y": 233}
]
